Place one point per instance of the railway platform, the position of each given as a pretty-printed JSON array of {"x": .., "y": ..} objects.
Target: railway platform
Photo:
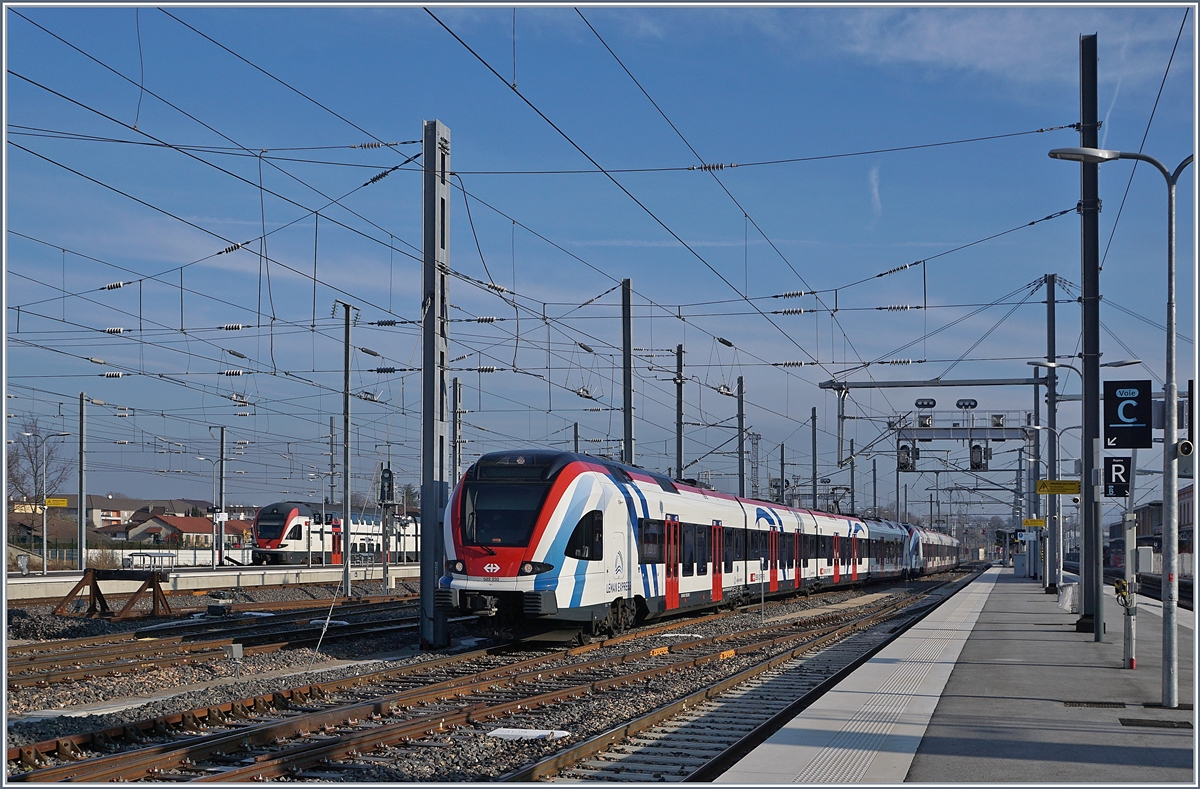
[{"x": 995, "y": 686}]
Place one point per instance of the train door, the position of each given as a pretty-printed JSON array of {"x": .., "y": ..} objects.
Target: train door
[
  {"x": 773, "y": 558},
  {"x": 335, "y": 553},
  {"x": 671, "y": 559},
  {"x": 837, "y": 558},
  {"x": 718, "y": 560},
  {"x": 854, "y": 558},
  {"x": 797, "y": 548}
]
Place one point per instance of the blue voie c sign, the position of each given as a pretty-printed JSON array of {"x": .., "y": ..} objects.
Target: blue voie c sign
[{"x": 1127, "y": 415}]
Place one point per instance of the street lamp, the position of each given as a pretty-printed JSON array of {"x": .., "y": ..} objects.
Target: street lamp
[
  {"x": 42, "y": 441},
  {"x": 214, "y": 463},
  {"x": 1170, "y": 653}
]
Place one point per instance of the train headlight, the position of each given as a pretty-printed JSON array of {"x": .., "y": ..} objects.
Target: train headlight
[
  {"x": 456, "y": 566},
  {"x": 534, "y": 568}
]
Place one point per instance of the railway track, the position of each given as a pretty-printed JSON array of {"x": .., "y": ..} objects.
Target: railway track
[
  {"x": 316, "y": 731},
  {"x": 47, "y": 663},
  {"x": 1149, "y": 585},
  {"x": 698, "y": 737}
]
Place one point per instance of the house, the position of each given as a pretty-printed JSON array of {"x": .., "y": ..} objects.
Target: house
[{"x": 190, "y": 531}]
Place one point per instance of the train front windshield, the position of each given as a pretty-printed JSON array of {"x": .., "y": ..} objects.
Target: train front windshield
[
  {"x": 501, "y": 513},
  {"x": 270, "y": 524}
]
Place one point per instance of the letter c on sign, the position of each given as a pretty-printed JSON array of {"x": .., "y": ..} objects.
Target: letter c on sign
[{"x": 1121, "y": 411}]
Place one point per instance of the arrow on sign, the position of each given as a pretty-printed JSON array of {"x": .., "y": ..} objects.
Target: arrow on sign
[{"x": 1111, "y": 442}]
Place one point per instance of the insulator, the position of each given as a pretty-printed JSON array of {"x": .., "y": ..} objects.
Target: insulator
[
  {"x": 233, "y": 326},
  {"x": 113, "y": 374},
  {"x": 114, "y": 330},
  {"x": 383, "y": 370},
  {"x": 488, "y": 369},
  {"x": 231, "y": 373},
  {"x": 485, "y": 319},
  {"x": 122, "y": 441},
  {"x": 793, "y": 364},
  {"x": 585, "y": 347},
  {"x": 229, "y": 249},
  {"x": 94, "y": 360},
  {"x": 497, "y": 288},
  {"x": 386, "y": 322},
  {"x": 792, "y": 311},
  {"x": 243, "y": 413},
  {"x": 895, "y": 308},
  {"x": 368, "y": 145},
  {"x": 793, "y": 294},
  {"x": 898, "y": 361},
  {"x": 379, "y": 177},
  {"x": 899, "y": 268},
  {"x": 235, "y": 353},
  {"x": 114, "y": 285},
  {"x": 597, "y": 409}
]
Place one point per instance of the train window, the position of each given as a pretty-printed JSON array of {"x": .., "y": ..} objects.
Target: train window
[
  {"x": 652, "y": 542},
  {"x": 294, "y": 534},
  {"x": 827, "y": 547},
  {"x": 688, "y": 533},
  {"x": 587, "y": 541},
  {"x": 501, "y": 513},
  {"x": 730, "y": 549},
  {"x": 807, "y": 548},
  {"x": 790, "y": 550},
  {"x": 702, "y": 549}
]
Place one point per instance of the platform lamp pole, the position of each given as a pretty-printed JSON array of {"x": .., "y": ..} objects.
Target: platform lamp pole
[{"x": 1170, "y": 570}]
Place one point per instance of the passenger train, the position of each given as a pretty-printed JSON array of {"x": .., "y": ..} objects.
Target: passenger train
[
  {"x": 290, "y": 532},
  {"x": 564, "y": 537}
]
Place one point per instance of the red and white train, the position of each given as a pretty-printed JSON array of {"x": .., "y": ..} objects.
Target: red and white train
[{"x": 559, "y": 536}]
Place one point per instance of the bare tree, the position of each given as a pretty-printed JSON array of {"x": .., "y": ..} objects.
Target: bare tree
[{"x": 24, "y": 470}]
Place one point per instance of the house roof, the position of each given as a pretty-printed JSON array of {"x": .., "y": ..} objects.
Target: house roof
[{"x": 185, "y": 525}]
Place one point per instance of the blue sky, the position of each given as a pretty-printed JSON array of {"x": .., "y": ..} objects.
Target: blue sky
[{"x": 743, "y": 86}]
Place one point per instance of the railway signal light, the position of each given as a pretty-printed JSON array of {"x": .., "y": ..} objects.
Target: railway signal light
[
  {"x": 904, "y": 458},
  {"x": 978, "y": 458},
  {"x": 385, "y": 486}
]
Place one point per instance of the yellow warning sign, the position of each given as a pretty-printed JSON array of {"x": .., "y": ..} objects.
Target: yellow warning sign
[
  {"x": 56, "y": 502},
  {"x": 1058, "y": 487},
  {"x": 1031, "y": 522}
]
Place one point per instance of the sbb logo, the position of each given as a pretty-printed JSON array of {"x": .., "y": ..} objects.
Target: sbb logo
[{"x": 492, "y": 567}]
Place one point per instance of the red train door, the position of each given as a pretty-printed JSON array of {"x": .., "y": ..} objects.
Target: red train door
[
  {"x": 854, "y": 558},
  {"x": 773, "y": 558},
  {"x": 798, "y": 537},
  {"x": 837, "y": 559},
  {"x": 336, "y": 551},
  {"x": 672, "y": 563},
  {"x": 718, "y": 560}
]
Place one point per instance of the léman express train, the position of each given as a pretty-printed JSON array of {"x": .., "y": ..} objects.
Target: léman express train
[{"x": 559, "y": 536}]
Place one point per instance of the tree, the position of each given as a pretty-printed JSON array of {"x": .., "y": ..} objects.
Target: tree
[
  {"x": 25, "y": 461},
  {"x": 410, "y": 495}
]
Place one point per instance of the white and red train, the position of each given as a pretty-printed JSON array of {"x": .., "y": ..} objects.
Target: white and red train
[
  {"x": 292, "y": 532},
  {"x": 559, "y": 536}
]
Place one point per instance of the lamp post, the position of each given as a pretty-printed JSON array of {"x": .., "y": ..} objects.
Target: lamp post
[
  {"x": 214, "y": 463},
  {"x": 1170, "y": 570},
  {"x": 319, "y": 475},
  {"x": 42, "y": 441}
]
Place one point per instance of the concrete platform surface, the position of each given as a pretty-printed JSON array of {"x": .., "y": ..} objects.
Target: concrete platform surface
[{"x": 979, "y": 692}]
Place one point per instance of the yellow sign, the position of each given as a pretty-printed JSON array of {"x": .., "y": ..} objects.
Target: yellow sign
[
  {"x": 56, "y": 502},
  {"x": 1058, "y": 487},
  {"x": 1029, "y": 522}
]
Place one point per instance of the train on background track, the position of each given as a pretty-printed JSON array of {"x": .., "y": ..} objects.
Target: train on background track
[
  {"x": 560, "y": 537},
  {"x": 293, "y": 532}
]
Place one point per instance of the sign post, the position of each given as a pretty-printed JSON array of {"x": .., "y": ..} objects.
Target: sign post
[
  {"x": 1128, "y": 422},
  {"x": 1117, "y": 474}
]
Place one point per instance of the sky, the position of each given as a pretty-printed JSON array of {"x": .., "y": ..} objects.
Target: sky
[{"x": 143, "y": 143}]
